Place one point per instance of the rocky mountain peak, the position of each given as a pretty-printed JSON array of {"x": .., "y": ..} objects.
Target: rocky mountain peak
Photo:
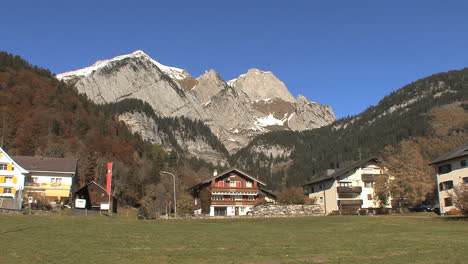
[{"x": 258, "y": 84}]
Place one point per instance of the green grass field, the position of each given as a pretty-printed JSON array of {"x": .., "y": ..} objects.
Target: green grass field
[{"x": 339, "y": 239}]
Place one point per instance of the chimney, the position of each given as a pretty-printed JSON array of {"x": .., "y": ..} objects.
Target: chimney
[{"x": 215, "y": 173}]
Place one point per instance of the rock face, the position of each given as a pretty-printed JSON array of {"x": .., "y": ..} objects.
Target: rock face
[{"x": 236, "y": 111}]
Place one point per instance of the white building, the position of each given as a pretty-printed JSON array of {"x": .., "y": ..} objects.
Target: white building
[
  {"x": 452, "y": 170},
  {"x": 12, "y": 177},
  {"x": 348, "y": 189},
  {"x": 49, "y": 179}
]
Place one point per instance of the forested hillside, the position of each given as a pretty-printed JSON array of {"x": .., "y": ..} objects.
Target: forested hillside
[
  {"x": 41, "y": 116},
  {"x": 404, "y": 114}
]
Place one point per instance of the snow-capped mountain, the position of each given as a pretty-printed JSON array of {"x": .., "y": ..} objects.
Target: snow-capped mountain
[{"x": 256, "y": 102}]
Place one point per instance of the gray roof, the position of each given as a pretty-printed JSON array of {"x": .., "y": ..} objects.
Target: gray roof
[
  {"x": 453, "y": 154},
  {"x": 342, "y": 171},
  {"x": 47, "y": 164}
]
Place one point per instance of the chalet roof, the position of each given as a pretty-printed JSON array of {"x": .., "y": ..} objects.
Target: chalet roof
[
  {"x": 268, "y": 192},
  {"x": 93, "y": 183},
  {"x": 226, "y": 172},
  {"x": 342, "y": 171},
  {"x": 452, "y": 154},
  {"x": 47, "y": 164}
]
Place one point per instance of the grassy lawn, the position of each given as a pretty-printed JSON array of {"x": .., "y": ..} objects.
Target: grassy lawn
[{"x": 339, "y": 239}]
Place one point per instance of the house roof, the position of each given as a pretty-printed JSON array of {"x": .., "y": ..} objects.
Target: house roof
[
  {"x": 47, "y": 164},
  {"x": 226, "y": 172},
  {"x": 21, "y": 168},
  {"x": 342, "y": 171},
  {"x": 452, "y": 154},
  {"x": 95, "y": 183}
]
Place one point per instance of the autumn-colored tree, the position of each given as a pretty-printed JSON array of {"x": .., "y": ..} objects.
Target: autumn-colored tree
[
  {"x": 411, "y": 179},
  {"x": 460, "y": 198},
  {"x": 185, "y": 204},
  {"x": 292, "y": 195}
]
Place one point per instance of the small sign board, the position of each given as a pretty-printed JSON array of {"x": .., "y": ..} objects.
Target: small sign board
[
  {"x": 80, "y": 203},
  {"x": 30, "y": 199},
  {"x": 105, "y": 206}
]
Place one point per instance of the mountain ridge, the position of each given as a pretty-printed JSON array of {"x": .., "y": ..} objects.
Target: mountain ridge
[{"x": 231, "y": 110}]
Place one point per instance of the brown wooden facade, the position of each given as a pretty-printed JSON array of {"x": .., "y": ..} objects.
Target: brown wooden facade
[
  {"x": 232, "y": 192},
  {"x": 95, "y": 195}
]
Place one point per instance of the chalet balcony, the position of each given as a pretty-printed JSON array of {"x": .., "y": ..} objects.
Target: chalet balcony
[
  {"x": 369, "y": 177},
  {"x": 349, "y": 202},
  {"x": 232, "y": 202},
  {"x": 250, "y": 190},
  {"x": 342, "y": 189}
]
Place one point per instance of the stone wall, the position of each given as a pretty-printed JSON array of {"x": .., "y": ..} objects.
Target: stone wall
[{"x": 275, "y": 210}]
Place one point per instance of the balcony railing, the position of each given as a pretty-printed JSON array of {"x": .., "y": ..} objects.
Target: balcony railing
[
  {"x": 343, "y": 189},
  {"x": 234, "y": 189},
  {"x": 232, "y": 202},
  {"x": 369, "y": 177},
  {"x": 349, "y": 202}
]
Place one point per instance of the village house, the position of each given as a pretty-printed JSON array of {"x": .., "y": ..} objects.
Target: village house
[
  {"x": 348, "y": 189},
  {"x": 12, "y": 177},
  {"x": 96, "y": 198},
  {"x": 230, "y": 193},
  {"x": 49, "y": 179},
  {"x": 452, "y": 170}
]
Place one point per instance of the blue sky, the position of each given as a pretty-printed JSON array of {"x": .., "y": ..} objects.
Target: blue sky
[{"x": 346, "y": 54}]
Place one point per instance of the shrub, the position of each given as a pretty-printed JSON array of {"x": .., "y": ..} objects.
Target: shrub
[{"x": 460, "y": 198}]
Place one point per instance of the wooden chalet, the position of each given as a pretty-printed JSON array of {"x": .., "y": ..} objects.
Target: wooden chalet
[
  {"x": 230, "y": 193},
  {"x": 95, "y": 195}
]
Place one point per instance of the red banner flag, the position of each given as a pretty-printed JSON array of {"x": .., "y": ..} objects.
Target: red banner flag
[{"x": 109, "y": 177}]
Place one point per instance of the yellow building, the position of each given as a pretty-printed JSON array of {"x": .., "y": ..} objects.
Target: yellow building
[{"x": 12, "y": 177}]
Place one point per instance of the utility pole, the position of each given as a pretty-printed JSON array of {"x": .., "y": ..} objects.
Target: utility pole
[{"x": 175, "y": 200}]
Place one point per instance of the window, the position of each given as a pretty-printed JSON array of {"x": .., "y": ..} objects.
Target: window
[
  {"x": 463, "y": 163},
  {"x": 217, "y": 197},
  {"x": 445, "y": 168},
  {"x": 369, "y": 197},
  {"x": 251, "y": 197},
  {"x": 9, "y": 180},
  {"x": 34, "y": 179},
  {"x": 465, "y": 180},
  {"x": 235, "y": 184},
  {"x": 369, "y": 184},
  {"x": 345, "y": 184},
  {"x": 320, "y": 186},
  {"x": 3, "y": 167},
  {"x": 248, "y": 184},
  {"x": 236, "y": 197},
  {"x": 448, "y": 201},
  {"x": 446, "y": 185},
  {"x": 219, "y": 184},
  {"x": 6, "y": 190}
]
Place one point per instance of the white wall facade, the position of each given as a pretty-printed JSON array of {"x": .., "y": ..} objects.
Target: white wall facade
[
  {"x": 12, "y": 178},
  {"x": 458, "y": 175},
  {"x": 326, "y": 192},
  {"x": 231, "y": 210}
]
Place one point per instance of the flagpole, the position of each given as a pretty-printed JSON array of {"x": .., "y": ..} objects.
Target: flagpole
[{"x": 110, "y": 185}]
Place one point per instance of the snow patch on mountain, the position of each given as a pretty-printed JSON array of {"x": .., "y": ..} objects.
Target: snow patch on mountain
[
  {"x": 173, "y": 72},
  {"x": 270, "y": 120}
]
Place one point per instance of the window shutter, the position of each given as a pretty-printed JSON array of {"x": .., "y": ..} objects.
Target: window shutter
[
  {"x": 1, "y": 189},
  {"x": 9, "y": 167},
  {"x": 2, "y": 179},
  {"x": 13, "y": 190},
  {"x": 15, "y": 180},
  {"x": 1, "y": 155}
]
